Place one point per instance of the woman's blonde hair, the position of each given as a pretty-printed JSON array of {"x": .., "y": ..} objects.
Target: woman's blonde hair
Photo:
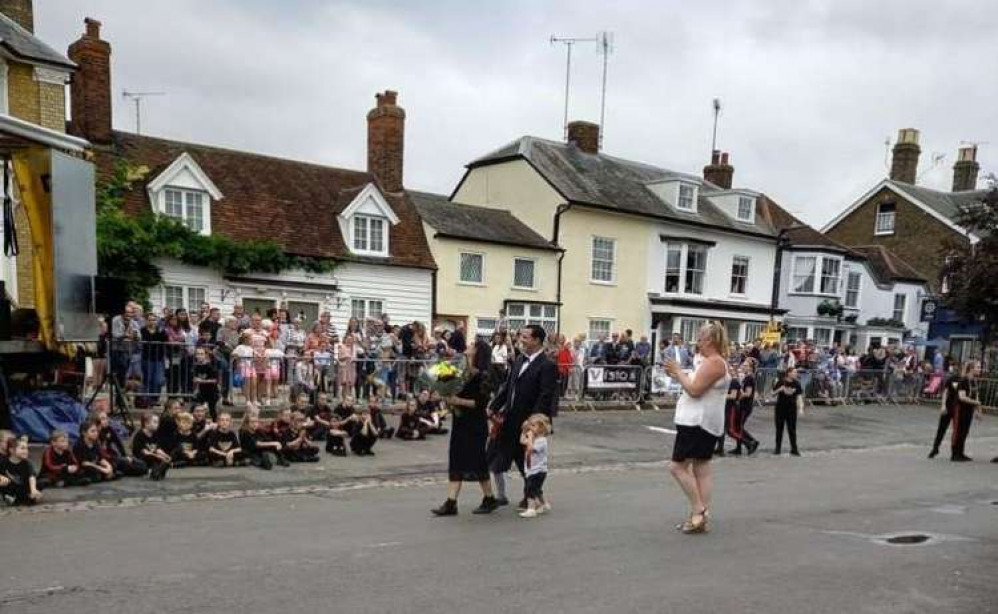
[
  {"x": 717, "y": 334},
  {"x": 249, "y": 415},
  {"x": 542, "y": 422},
  {"x": 969, "y": 366}
]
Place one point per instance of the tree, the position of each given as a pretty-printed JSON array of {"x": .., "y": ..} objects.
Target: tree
[
  {"x": 129, "y": 245},
  {"x": 970, "y": 276}
]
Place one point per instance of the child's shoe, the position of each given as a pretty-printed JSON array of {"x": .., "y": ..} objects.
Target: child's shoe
[
  {"x": 544, "y": 509},
  {"x": 529, "y": 513}
]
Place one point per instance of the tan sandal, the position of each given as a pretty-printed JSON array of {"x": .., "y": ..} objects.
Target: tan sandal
[{"x": 692, "y": 526}]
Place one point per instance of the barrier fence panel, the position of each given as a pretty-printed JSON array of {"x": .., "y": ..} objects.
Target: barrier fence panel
[{"x": 146, "y": 372}]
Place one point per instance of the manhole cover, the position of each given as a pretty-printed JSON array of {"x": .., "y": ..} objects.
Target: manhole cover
[{"x": 908, "y": 540}]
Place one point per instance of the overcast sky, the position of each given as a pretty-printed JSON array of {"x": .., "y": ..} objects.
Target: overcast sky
[{"x": 810, "y": 89}]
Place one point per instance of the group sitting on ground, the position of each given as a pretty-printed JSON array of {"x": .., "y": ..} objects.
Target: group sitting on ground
[{"x": 176, "y": 438}]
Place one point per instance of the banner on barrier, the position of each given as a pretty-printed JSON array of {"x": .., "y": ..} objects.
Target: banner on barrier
[{"x": 612, "y": 378}]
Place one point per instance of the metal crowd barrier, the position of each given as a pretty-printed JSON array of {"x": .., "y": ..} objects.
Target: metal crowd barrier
[{"x": 146, "y": 372}]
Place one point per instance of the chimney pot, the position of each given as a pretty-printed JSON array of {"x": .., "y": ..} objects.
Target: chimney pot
[
  {"x": 965, "y": 170},
  {"x": 904, "y": 164},
  {"x": 585, "y": 135},
  {"x": 386, "y": 141},
  {"x": 724, "y": 159},
  {"x": 93, "y": 28},
  {"x": 21, "y": 12},
  {"x": 719, "y": 171},
  {"x": 715, "y": 157}
]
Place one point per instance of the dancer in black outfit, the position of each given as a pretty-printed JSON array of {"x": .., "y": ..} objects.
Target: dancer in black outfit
[
  {"x": 965, "y": 390},
  {"x": 950, "y": 401},
  {"x": 788, "y": 399},
  {"x": 730, "y": 413},
  {"x": 746, "y": 403},
  {"x": 469, "y": 433}
]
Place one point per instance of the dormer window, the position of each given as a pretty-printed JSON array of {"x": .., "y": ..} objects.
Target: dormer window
[
  {"x": 185, "y": 192},
  {"x": 186, "y": 206},
  {"x": 746, "y": 209},
  {"x": 885, "y": 219},
  {"x": 366, "y": 223},
  {"x": 368, "y": 234},
  {"x": 687, "y": 197}
]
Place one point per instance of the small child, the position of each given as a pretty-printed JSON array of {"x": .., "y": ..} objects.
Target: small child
[
  {"x": 298, "y": 447},
  {"x": 410, "y": 427},
  {"x": 365, "y": 436},
  {"x": 327, "y": 426},
  {"x": 145, "y": 446},
  {"x": 534, "y": 437},
  {"x": 223, "y": 443},
  {"x": 255, "y": 448},
  {"x": 187, "y": 452},
  {"x": 206, "y": 379},
  {"x": 378, "y": 417},
  {"x": 18, "y": 481},
  {"x": 111, "y": 449},
  {"x": 244, "y": 368},
  {"x": 59, "y": 466},
  {"x": 272, "y": 376},
  {"x": 428, "y": 411},
  {"x": 166, "y": 435},
  {"x": 95, "y": 461}
]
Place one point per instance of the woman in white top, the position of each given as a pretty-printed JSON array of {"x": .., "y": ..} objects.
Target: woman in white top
[{"x": 699, "y": 422}]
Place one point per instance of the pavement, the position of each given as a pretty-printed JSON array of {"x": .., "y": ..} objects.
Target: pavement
[{"x": 803, "y": 534}]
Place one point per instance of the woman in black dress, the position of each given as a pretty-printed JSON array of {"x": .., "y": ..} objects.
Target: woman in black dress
[{"x": 467, "y": 461}]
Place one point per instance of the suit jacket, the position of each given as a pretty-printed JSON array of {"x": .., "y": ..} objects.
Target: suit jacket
[{"x": 536, "y": 391}]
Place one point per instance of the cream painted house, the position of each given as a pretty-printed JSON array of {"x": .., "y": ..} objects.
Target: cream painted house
[
  {"x": 491, "y": 266},
  {"x": 646, "y": 248}
]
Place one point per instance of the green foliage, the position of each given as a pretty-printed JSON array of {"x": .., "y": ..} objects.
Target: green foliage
[
  {"x": 830, "y": 308},
  {"x": 885, "y": 322},
  {"x": 127, "y": 245}
]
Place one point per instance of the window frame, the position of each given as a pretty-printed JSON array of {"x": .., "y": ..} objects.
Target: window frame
[
  {"x": 693, "y": 196},
  {"x": 750, "y": 326},
  {"x": 609, "y": 328},
  {"x": 367, "y": 308},
  {"x": 533, "y": 273},
  {"x": 816, "y": 282},
  {"x": 4, "y": 86},
  {"x": 837, "y": 278},
  {"x": 751, "y": 209},
  {"x": 880, "y": 230},
  {"x": 903, "y": 309},
  {"x": 744, "y": 278},
  {"x": 186, "y": 195},
  {"x": 684, "y": 248},
  {"x": 858, "y": 289},
  {"x": 696, "y": 329},
  {"x": 550, "y": 324},
  {"x": 369, "y": 220},
  {"x": 185, "y": 295},
  {"x": 592, "y": 261},
  {"x": 460, "y": 268},
  {"x": 817, "y": 341}
]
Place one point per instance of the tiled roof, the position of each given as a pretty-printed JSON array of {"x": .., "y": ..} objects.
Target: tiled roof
[
  {"x": 290, "y": 202},
  {"x": 26, "y": 46},
  {"x": 887, "y": 266},
  {"x": 798, "y": 233},
  {"x": 947, "y": 204},
  {"x": 614, "y": 183},
  {"x": 475, "y": 223}
]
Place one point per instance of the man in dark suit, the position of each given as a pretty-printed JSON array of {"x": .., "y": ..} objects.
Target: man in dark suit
[{"x": 531, "y": 387}]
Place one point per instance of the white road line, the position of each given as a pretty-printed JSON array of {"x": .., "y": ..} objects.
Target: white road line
[{"x": 659, "y": 429}]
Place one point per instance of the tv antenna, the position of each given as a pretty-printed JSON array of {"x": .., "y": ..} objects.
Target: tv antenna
[
  {"x": 713, "y": 138},
  {"x": 137, "y": 97},
  {"x": 569, "y": 42},
  {"x": 605, "y": 49}
]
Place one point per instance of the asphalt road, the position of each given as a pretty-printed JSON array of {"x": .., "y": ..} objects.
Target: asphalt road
[{"x": 790, "y": 534}]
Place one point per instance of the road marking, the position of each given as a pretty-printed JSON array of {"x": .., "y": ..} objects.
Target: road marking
[{"x": 659, "y": 429}]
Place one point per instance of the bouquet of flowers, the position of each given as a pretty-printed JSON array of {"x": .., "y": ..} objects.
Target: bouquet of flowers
[{"x": 443, "y": 378}]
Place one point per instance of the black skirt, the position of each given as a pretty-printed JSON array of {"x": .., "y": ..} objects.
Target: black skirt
[
  {"x": 469, "y": 433},
  {"x": 693, "y": 443}
]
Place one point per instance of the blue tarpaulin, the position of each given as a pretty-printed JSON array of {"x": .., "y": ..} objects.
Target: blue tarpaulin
[{"x": 37, "y": 414}]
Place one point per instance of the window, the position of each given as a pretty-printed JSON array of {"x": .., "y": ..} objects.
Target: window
[
  {"x": 306, "y": 310},
  {"x": 258, "y": 305},
  {"x": 696, "y": 266},
  {"x": 362, "y": 308},
  {"x": 796, "y": 333},
  {"x": 804, "y": 274},
  {"x": 604, "y": 253},
  {"x": 3, "y": 87},
  {"x": 184, "y": 297},
  {"x": 734, "y": 330},
  {"x": 739, "y": 274},
  {"x": 522, "y": 314},
  {"x": 885, "y": 219},
  {"x": 687, "y": 194},
  {"x": 673, "y": 267},
  {"x": 900, "y": 303},
  {"x": 523, "y": 273},
  {"x": 823, "y": 337},
  {"x": 187, "y": 206},
  {"x": 754, "y": 330},
  {"x": 472, "y": 268},
  {"x": 599, "y": 329},
  {"x": 746, "y": 209},
  {"x": 369, "y": 234},
  {"x": 689, "y": 328},
  {"x": 485, "y": 326},
  {"x": 853, "y": 279},
  {"x": 830, "y": 268}
]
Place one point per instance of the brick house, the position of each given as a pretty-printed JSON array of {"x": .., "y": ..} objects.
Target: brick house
[
  {"x": 917, "y": 223},
  {"x": 363, "y": 220},
  {"x": 33, "y": 79}
]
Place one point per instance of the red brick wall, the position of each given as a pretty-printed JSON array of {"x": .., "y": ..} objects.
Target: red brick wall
[
  {"x": 918, "y": 237},
  {"x": 90, "y": 89}
]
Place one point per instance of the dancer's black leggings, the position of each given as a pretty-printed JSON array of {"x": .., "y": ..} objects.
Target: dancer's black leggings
[
  {"x": 786, "y": 416},
  {"x": 961, "y": 428},
  {"x": 945, "y": 419},
  {"x": 745, "y": 438}
]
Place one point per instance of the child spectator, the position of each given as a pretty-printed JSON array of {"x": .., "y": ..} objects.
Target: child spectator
[
  {"x": 187, "y": 451},
  {"x": 327, "y": 426},
  {"x": 254, "y": 446},
  {"x": 59, "y": 466},
  {"x": 111, "y": 449},
  {"x": 206, "y": 379},
  {"x": 429, "y": 413},
  {"x": 378, "y": 417},
  {"x": 365, "y": 436},
  {"x": 346, "y": 354},
  {"x": 410, "y": 428},
  {"x": 166, "y": 435},
  {"x": 322, "y": 359},
  {"x": 94, "y": 457},
  {"x": 223, "y": 443},
  {"x": 244, "y": 371},
  {"x": 275, "y": 365},
  {"x": 18, "y": 481},
  {"x": 534, "y": 437},
  {"x": 145, "y": 446},
  {"x": 298, "y": 447}
]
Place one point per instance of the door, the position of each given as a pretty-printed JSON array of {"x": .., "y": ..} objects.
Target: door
[
  {"x": 258, "y": 305},
  {"x": 308, "y": 312}
]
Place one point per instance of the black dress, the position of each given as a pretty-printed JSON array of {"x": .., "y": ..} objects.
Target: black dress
[{"x": 469, "y": 434}]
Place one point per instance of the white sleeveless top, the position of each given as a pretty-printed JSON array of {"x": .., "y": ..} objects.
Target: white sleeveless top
[{"x": 707, "y": 410}]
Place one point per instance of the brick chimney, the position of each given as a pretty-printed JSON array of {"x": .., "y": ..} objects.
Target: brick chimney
[
  {"x": 719, "y": 172},
  {"x": 386, "y": 141},
  {"x": 904, "y": 165},
  {"x": 20, "y": 11},
  {"x": 90, "y": 88},
  {"x": 585, "y": 135},
  {"x": 965, "y": 170}
]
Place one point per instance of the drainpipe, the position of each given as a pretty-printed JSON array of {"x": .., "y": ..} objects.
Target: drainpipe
[
  {"x": 562, "y": 208},
  {"x": 781, "y": 244},
  {"x": 433, "y": 298}
]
